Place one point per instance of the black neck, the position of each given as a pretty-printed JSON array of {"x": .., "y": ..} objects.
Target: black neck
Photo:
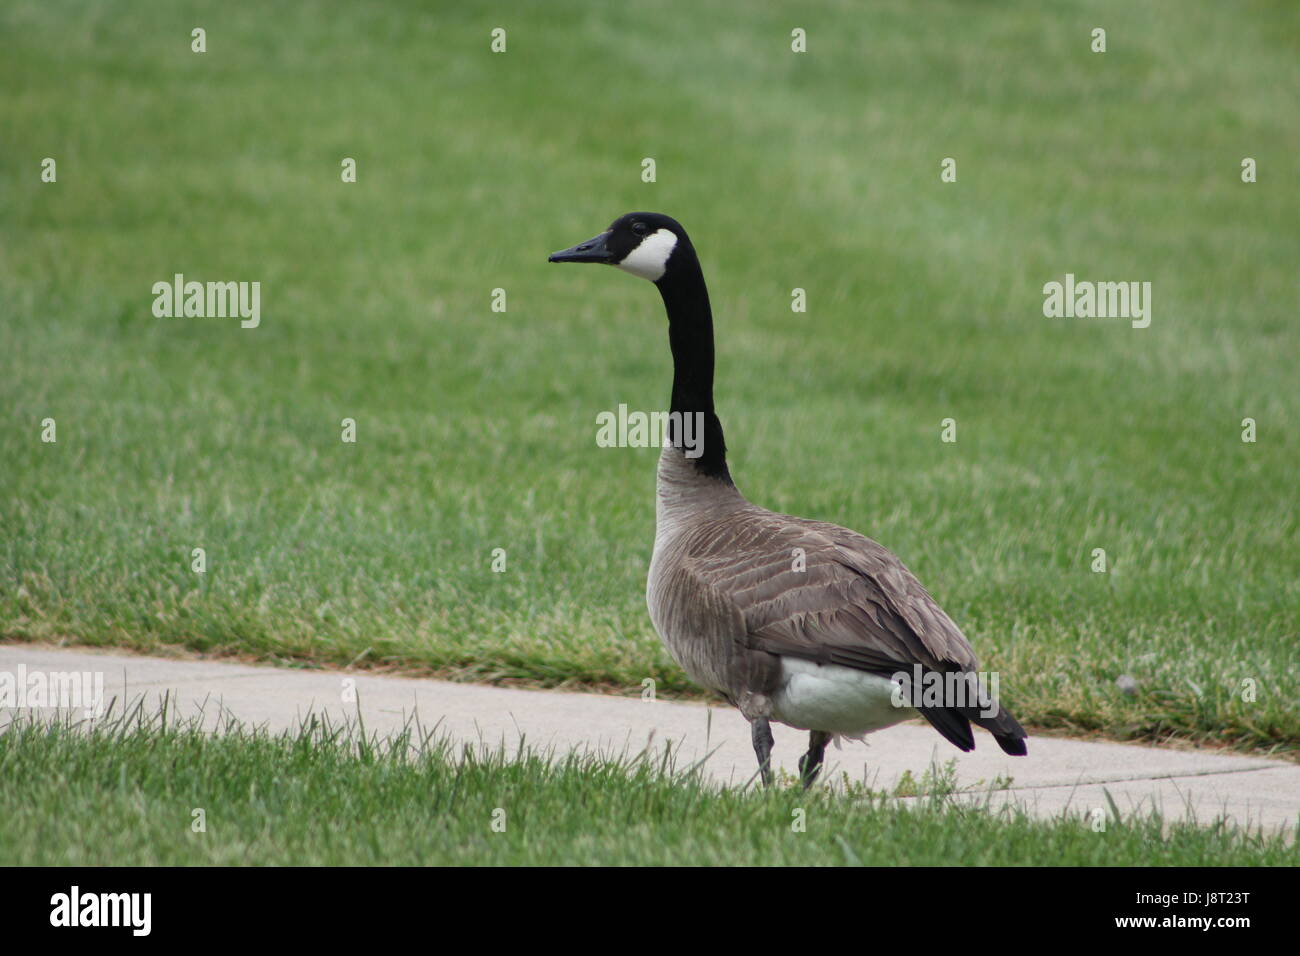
[{"x": 690, "y": 334}]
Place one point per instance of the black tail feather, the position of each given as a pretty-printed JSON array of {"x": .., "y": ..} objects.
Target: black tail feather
[
  {"x": 954, "y": 723},
  {"x": 949, "y": 722},
  {"x": 1006, "y": 730}
]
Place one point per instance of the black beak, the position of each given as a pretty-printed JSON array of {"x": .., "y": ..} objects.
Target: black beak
[{"x": 593, "y": 250}]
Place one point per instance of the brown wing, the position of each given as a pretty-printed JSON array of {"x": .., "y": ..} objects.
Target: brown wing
[{"x": 816, "y": 591}]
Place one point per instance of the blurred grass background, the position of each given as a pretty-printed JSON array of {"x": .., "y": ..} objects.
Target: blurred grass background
[{"x": 476, "y": 429}]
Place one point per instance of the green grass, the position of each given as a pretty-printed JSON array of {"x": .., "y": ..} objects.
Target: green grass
[
  {"x": 126, "y": 794},
  {"x": 476, "y": 429}
]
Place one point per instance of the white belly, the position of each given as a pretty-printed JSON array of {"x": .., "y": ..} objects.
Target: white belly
[{"x": 834, "y": 699}]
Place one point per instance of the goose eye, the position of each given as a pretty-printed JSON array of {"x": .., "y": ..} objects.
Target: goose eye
[{"x": 639, "y": 228}]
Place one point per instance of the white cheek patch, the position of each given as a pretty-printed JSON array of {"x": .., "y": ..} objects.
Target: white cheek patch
[{"x": 649, "y": 259}]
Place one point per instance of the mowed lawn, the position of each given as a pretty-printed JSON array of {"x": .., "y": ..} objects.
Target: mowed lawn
[
  {"x": 131, "y": 793},
  {"x": 476, "y": 429}
]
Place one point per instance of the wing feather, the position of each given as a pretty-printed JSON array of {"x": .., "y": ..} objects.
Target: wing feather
[
  {"x": 823, "y": 593},
  {"x": 819, "y": 591}
]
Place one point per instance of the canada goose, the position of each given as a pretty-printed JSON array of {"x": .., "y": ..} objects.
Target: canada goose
[{"x": 798, "y": 621}]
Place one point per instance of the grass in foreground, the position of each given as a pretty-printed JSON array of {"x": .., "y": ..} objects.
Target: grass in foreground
[
  {"x": 125, "y": 793},
  {"x": 476, "y": 430}
]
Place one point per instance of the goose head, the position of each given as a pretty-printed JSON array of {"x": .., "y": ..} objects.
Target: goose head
[{"x": 646, "y": 244}]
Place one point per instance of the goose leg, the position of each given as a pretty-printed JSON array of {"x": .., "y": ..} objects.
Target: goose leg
[
  {"x": 810, "y": 764},
  {"x": 763, "y": 740}
]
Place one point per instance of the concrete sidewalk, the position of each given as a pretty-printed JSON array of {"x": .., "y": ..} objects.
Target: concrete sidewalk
[{"x": 1057, "y": 775}]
